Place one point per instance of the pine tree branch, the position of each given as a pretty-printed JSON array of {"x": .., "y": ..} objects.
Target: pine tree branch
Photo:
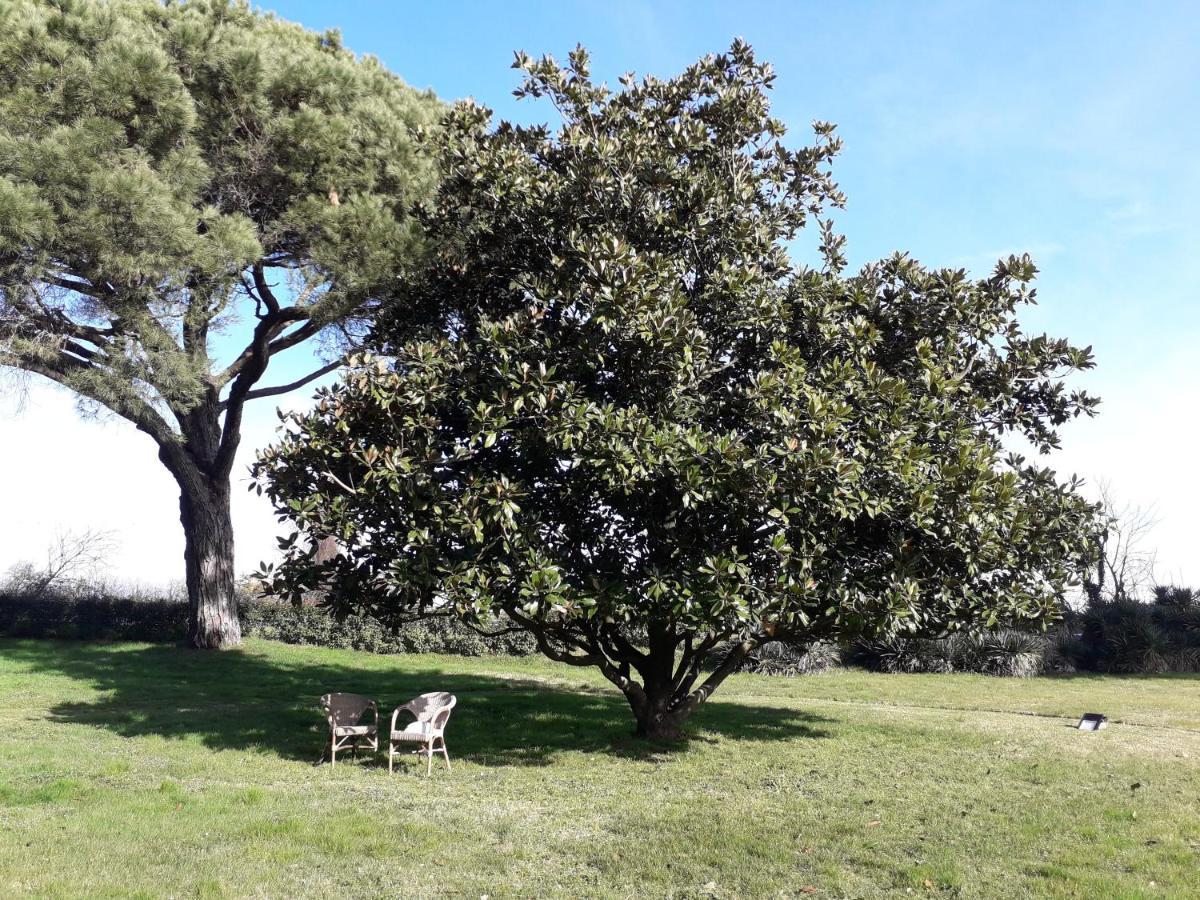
[
  {"x": 79, "y": 287},
  {"x": 264, "y": 290},
  {"x": 299, "y": 382},
  {"x": 82, "y": 352},
  {"x": 55, "y": 321},
  {"x": 67, "y": 371},
  {"x": 292, "y": 338},
  {"x": 250, "y": 366},
  {"x": 261, "y": 347}
]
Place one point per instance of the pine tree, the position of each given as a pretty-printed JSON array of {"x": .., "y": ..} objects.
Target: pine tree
[{"x": 173, "y": 171}]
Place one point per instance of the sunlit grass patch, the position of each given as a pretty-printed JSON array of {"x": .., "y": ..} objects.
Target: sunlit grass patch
[{"x": 131, "y": 770}]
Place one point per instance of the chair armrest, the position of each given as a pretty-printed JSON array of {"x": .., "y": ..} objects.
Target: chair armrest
[{"x": 407, "y": 707}]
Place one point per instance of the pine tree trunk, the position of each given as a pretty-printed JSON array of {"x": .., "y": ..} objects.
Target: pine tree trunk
[
  {"x": 204, "y": 512},
  {"x": 208, "y": 559}
]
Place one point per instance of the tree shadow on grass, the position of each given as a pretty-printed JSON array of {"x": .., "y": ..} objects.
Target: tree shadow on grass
[{"x": 245, "y": 700}]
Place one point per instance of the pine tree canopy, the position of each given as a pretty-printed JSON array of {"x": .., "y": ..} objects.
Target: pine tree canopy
[
  {"x": 168, "y": 171},
  {"x": 174, "y": 171}
]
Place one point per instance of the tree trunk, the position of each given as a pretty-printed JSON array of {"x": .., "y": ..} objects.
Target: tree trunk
[
  {"x": 658, "y": 719},
  {"x": 208, "y": 560},
  {"x": 664, "y": 703},
  {"x": 201, "y": 468}
]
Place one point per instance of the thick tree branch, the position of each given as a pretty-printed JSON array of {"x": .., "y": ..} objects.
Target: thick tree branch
[
  {"x": 82, "y": 352},
  {"x": 79, "y": 287},
  {"x": 264, "y": 290},
  {"x": 291, "y": 386},
  {"x": 261, "y": 347},
  {"x": 624, "y": 650},
  {"x": 55, "y": 321},
  {"x": 728, "y": 666},
  {"x": 67, "y": 370},
  {"x": 253, "y": 363},
  {"x": 538, "y": 631},
  {"x": 292, "y": 338}
]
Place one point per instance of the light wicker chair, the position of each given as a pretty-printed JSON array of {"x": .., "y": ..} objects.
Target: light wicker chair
[
  {"x": 344, "y": 713},
  {"x": 430, "y": 714}
]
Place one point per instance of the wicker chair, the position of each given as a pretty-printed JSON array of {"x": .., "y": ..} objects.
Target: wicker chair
[
  {"x": 345, "y": 713},
  {"x": 430, "y": 713}
]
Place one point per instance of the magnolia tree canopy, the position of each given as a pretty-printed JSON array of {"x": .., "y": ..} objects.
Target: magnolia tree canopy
[{"x": 643, "y": 433}]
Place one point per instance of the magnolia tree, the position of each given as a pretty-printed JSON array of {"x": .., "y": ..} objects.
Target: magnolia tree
[
  {"x": 187, "y": 190},
  {"x": 645, "y": 435}
]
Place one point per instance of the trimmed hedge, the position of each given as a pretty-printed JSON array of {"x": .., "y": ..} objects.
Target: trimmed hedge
[
  {"x": 92, "y": 618},
  {"x": 115, "y": 619},
  {"x": 313, "y": 625},
  {"x": 1107, "y": 636}
]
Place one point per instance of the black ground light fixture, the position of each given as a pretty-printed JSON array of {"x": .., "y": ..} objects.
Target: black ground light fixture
[{"x": 1093, "y": 722}]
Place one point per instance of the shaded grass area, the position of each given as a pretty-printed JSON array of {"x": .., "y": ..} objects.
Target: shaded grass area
[{"x": 147, "y": 770}]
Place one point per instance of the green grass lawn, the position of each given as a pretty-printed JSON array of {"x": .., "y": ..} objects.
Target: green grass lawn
[{"x": 146, "y": 770}]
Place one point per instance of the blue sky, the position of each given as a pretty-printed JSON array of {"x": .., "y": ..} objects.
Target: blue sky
[{"x": 972, "y": 130}]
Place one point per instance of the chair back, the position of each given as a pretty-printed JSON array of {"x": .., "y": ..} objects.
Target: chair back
[
  {"x": 345, "y": 709},
  {"x": 433, "y": 708}
]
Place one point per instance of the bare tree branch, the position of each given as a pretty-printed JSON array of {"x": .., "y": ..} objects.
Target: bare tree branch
[
  {"x": 291, "y": 386},
  {"x": 71, "y": 552},
  {"x": 1125, "y": 567}
]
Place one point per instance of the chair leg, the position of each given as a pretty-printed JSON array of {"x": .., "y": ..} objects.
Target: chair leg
[
  {"x": 333, "y": 752},
  {"x": 391, "y": 753},
  {"x": 429, "y": 757},
  {"x": 446, "y": 755}
]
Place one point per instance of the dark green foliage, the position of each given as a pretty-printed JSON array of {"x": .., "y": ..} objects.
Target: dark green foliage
[
  {"x": 1117, "y": 636},
  {"x": 1127, "y": 637},
  {"x": 108, "y": 618},
  {"x": 314, "y": 625},
  {"x": 93, "y": 618},
  {"x": 1064, "y": 651},
  {"x": 779, "y": 658},
  {"x": 1004, "y": 652},
  {"x": 1180, "y": 598},
  {"x": 171, "y": 171},
  {"x": 643, "y": 432}
]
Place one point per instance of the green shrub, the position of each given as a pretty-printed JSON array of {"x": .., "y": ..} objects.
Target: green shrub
[
  {"x": 109, "y": 618},
  {"x": 1003, "y": 652},
  {"x": 1015, "y": 654},
  {"x": 1181, "y": 598},
  {"x": 904, "y": 654},
  {"x": 1130, "y": 637},
  {"x": 1063, "y": 652},
  {"x": 314, "y": 625},
  {"x": 778, "y": 658}
]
